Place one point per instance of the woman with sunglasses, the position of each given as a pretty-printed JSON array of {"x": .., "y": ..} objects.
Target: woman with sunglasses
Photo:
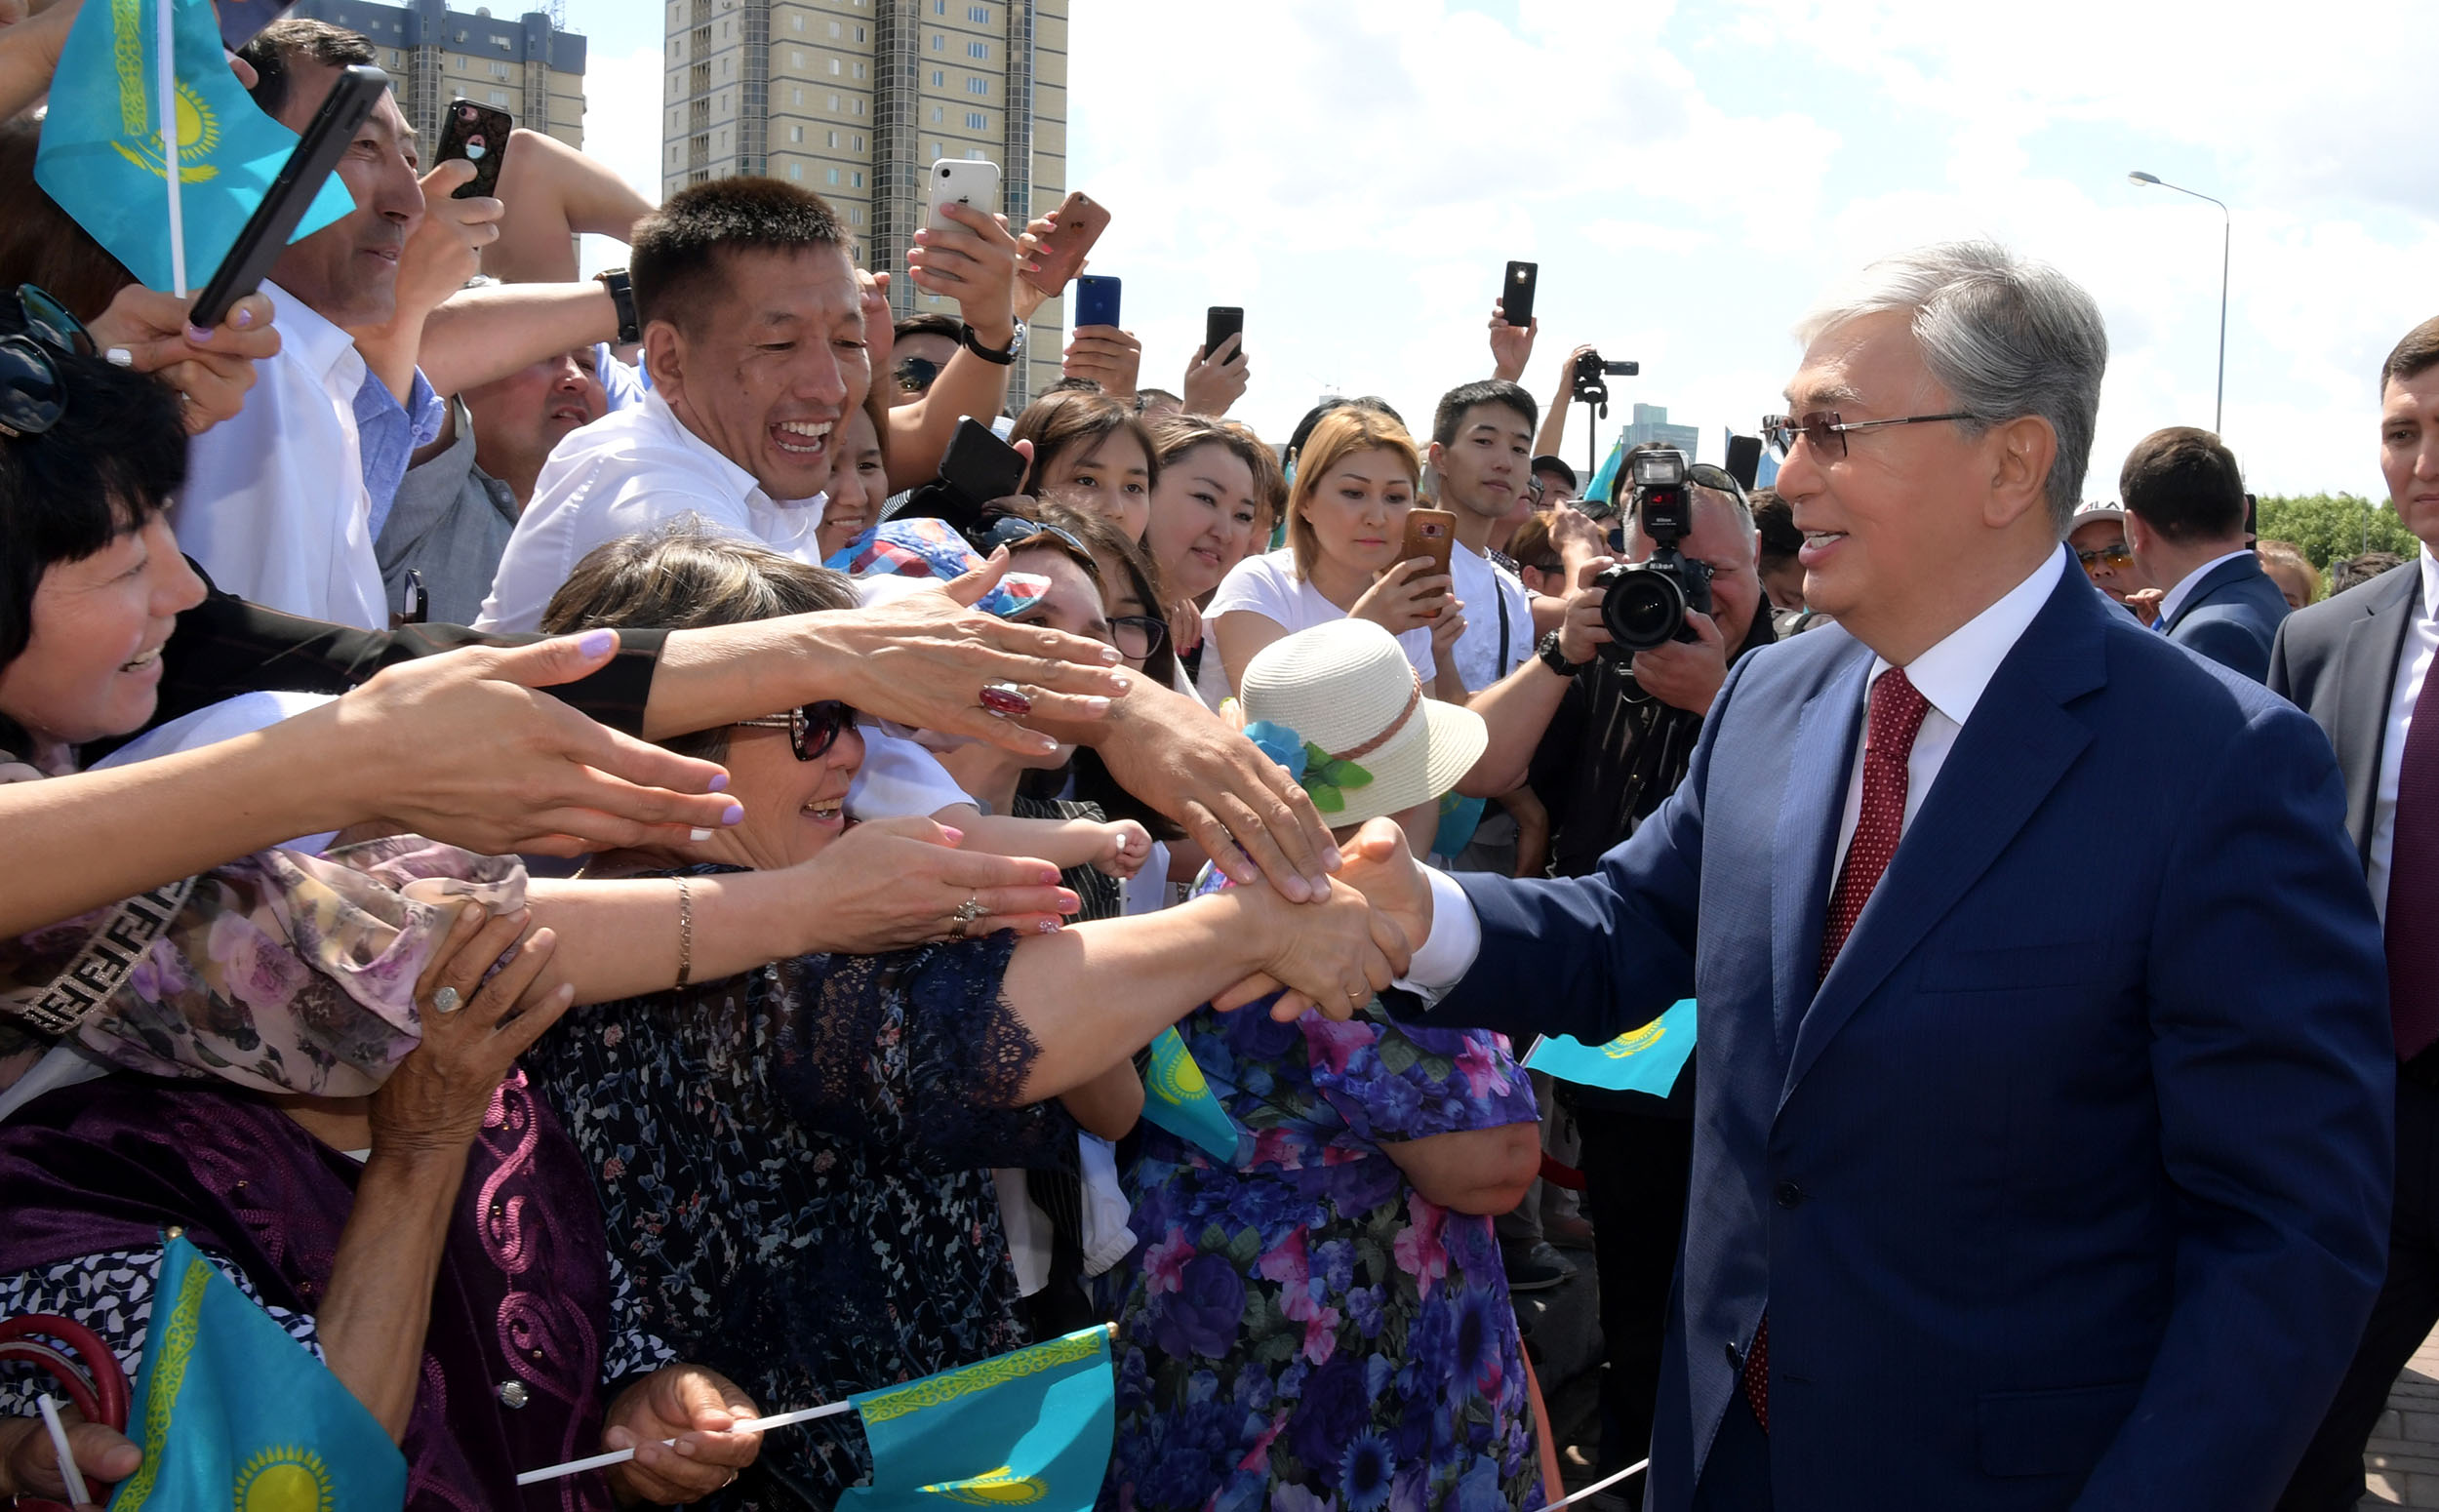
[{"x": 794, "y": 1162}]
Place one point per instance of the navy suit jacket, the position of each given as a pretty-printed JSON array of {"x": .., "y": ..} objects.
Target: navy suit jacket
[
  {"x": 2232, "y": 617},
  {"x": 2070, "y": 1183}
]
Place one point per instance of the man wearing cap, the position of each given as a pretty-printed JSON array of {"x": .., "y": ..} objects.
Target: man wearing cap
[
  {"x": 2020, "y": 1180},
  {"x": 1557, "y": 480},
  {"x": 2098, "y": 541}
]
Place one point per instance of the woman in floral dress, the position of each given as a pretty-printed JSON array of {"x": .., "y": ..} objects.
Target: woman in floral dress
[{"x": 1324, "y": 1321}]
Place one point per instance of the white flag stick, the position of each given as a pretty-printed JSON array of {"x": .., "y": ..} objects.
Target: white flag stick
[
  {"x": 1598, "y": 1485},
  {"x": 165, "y": 34},
  {"x": 77, "y": 1496},
  {"x": 621, "y": 1457}
]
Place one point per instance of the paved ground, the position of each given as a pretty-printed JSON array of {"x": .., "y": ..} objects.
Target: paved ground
[{"x": 2402, "y": 1458}]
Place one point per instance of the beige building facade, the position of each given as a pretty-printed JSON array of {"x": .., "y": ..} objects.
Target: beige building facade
[
  {"x": 434, "y": 55},
  {"x": 856, "y": 99}
]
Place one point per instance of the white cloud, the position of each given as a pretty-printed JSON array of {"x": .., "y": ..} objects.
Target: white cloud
[{"x": 622, "y": 129}]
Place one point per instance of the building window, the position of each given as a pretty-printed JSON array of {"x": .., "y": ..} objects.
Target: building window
[
  {"x": 974, "y": 86},
  {"x": 796, "y": 22},
  {"x": 939, "y": 115},
  {"x": 794, "y": 170},
  {"x": 860, "y": 144},
  {"x": 858, "y": 107},
  {"x": 938, "y": 8},
  {"x": 794, "y": 133},
  {"x": 980, "y": 15},
  {"x": 834, "y": 102},
  {"x": 940, "y": 41},
  {"x": 795, "y": 58},
  {"x": 977, "y": 50},
  {"x": 834, "y": 29},
  {"x": 940, "y": 80},
  {"x": 833, "y": 178},
  {"x": 834, "y": 68},
  {"x": 976, "y": 153},
  {"x": 976, "y": 120},
  {"x": 393, "y": 62},
  {"x": 795, "y": 97},
  {"x": 859, "y": 33},
  {"x": 856, "y": 178},
  {"x": 500, "y": 96},
  {"x": 855, "y": 214},
  {"x": 834, "y": 139},
  {"x": 939, "y": 151},
  {"x": 859, "y": 70}
]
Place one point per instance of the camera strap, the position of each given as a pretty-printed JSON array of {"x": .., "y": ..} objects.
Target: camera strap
[{"x": 1499, "y": 591}]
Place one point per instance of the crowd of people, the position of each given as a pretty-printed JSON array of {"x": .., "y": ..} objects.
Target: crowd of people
[{"x": 605, "y": 894}]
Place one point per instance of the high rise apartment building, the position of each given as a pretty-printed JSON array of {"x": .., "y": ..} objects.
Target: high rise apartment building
[
  {"x": 433, "y": 55},
  {"x": 856, "y": 99},
  {"x": 1651, "y": 424}
]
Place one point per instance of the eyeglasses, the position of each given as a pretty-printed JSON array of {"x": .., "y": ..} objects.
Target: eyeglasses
[
  {"x": 1705, "y": 476},
  {"x": 1015, "y": 532},
  {"x": 915, "y": 375},
  {"x": 2116, "y": 558},
  {"x": 1138, "y": 636},
  {"x": 31, "y": 396},
  {"x": 1819, "y": 426},
  {"x": 811, "y": 729}
]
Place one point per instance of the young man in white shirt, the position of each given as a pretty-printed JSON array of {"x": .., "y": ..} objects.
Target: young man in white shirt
[{"x": 1482, "y": 454}]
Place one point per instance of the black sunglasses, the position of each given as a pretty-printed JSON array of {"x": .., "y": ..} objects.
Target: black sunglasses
[
  {"x": 811, "y": 729},
  {"x": 915, "y": 375},
  {"x": 1015, "y": 532},
  {"x": 31, "y": 396}
]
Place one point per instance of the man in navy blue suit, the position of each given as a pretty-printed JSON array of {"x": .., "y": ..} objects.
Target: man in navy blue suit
[
  {"x": 2042, "y": 1143},
  {"x": 2185, "y": 521}
]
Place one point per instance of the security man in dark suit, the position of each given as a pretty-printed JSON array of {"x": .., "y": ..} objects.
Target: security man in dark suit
[
  {"x": 2360, "y": 663},
  {"x": 2184, "y": 521}
]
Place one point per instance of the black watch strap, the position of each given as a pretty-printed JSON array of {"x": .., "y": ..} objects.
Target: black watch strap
[
  {"x": 1556, "y": 659},
  {"x": 1003, "y": 356},
  {"x": 623, "y": 295}
]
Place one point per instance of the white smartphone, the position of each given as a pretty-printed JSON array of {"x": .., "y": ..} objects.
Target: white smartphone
[{"x": 958, "y": 180}]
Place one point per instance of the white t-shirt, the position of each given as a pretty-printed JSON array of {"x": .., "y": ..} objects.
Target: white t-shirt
[
  {"x": 1481, "y": 584},
  {"x": 1267, "y": 585}
]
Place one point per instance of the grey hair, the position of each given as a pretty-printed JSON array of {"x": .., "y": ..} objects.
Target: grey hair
[{"x": 2005, "y": 336}]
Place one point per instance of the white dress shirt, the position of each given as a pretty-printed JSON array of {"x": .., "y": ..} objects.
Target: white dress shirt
[
  {"x": 274, "y": 505},
  {"x": 2175, "y": 598},
  {"x": 630, "y": 472},
  {"x": 2421, "y": 645},
  {"x": 1952, "y": 677}
]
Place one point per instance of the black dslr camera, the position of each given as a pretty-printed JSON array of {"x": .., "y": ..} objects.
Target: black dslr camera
[{"x": 1644, "y": 604}]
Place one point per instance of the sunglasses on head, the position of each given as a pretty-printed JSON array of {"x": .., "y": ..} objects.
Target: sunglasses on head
[
  {"x": 1015, "y": 532},
  {"x": 1821, "y": 427},
  {"x": 31, "y": 396},
  {"x": 811, "y": 729}
]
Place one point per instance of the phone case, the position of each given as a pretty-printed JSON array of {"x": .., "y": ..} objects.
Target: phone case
[
  {"x": 1081, "y": 221},
  {"x": 478, "y": 133},
  {"x": 979, "y": 465},
  {"x": 1516, "y": 292},
  {"x": 1221, "y": 322},
  {"x": 1095, "y": 301},
  {"x": 1430, "y": 533},
  {"x": 962, "y": 181}
]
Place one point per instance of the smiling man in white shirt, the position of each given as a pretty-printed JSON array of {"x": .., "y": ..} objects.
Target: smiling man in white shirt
[
  {"x": 754, "y": 335},
  {"x": 2018, "y": 1103}
]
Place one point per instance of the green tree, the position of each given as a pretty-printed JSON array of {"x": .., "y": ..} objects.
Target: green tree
[{"x": 2325, "y": 526}]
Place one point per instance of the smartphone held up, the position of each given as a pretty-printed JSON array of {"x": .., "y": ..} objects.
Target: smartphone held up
[{"x": 479, "y": 135}]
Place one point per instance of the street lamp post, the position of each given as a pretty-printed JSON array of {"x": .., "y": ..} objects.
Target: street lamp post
[{"x": 2226, "y": 243}]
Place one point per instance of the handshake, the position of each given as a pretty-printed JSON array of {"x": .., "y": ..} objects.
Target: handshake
[{"x": 1335, "y": 952}]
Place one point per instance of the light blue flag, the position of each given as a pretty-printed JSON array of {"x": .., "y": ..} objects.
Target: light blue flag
[
  {"x": 1027, "y": 1429},
  {"x": 102, "y": 156},
  {"x": 1645, "y": 1060},
  {"x": 1605, "y": 481},
  {"x": 233, "y": 1412},
  {"x": 1177, "y": 1099}
]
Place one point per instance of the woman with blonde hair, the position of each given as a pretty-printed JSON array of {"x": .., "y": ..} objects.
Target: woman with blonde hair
[{"x": 1355, "y": 481}]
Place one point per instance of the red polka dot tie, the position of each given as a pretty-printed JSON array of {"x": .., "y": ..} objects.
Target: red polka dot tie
[{"x": 1897, "y": 714}]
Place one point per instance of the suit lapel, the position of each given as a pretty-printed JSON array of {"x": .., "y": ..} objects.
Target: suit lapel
[
  {"x": 2367, "y": 674},
  {"x": 1804, "y": 844},
  {"x": 2011, "y": 753}
]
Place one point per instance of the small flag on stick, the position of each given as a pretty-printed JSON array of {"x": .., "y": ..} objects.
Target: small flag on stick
[
  {"x": 1030, "y": 1428},
  {"x": 1647, "y": 1059}
]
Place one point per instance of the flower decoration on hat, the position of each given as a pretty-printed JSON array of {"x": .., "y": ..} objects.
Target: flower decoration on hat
[
  {"x": 1281, "y": 744},
  {"x": 1323, "y": 777}
]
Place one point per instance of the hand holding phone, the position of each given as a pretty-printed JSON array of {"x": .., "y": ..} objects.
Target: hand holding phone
[
  {"x": 1516, "y": 292},
  {"x": 478, "y": 133},
  {"x": 1430, "y": 533},
  {"x": 1077, "y": 224},
  {"x": 1095, "y": 301},
  {"x": 978, "y": 466},
  {"x": 1221, "y": 322},
  {"x": 957, "y": 180}
]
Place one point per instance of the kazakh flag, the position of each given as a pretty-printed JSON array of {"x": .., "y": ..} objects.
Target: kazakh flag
[
  {"x": 236, "y": 1417},
  {"x": 1645, "y": 1060},
  {"x": 102, "y": 157},
  {"x": 1030, "y": 1429},
  {"x": 1177, "y": 1099},
  {"x": 1605, "y": 482}
]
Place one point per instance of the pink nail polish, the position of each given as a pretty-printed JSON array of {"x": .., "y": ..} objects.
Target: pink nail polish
[
  {"x": 196, "y": 335},
  {"x": 597, "y": 643},
  {"x": 955, "y": 836},
  {"x": 1049, "y": 926},
  {"x": 735, "y": 815},
  {"x": 719, "y": 782}
]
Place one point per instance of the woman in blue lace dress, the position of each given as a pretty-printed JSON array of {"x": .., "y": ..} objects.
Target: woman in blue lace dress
[
  {"x": 794, "y": 1164},
  {"x": 1323, "y": 1321}
]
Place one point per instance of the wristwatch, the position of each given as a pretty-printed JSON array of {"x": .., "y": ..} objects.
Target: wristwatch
[
  {"x": 1556, "y": 659},
  {"x": 1003, "y": 356},
  {"x": 621, "y": 294}
]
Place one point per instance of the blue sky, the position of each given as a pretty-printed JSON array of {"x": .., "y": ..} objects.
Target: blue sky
[{"x": 1356, "y": 173}]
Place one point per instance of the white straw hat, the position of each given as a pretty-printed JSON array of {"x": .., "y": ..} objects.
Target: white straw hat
[{"x": 1346, "y": 688}]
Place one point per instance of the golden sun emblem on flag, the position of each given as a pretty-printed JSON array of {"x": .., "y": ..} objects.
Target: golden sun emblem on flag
[
  {"x": 284, "y": 1478},
  {"x": 1633, "y": 1041},
  {"x": 1179, "y": 1079},
  {"x": 1000, "y": 1487},
  {"x": 198, "y": 135}
]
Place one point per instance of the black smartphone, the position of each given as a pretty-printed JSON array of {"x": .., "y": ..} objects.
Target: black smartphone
[
  {"x": 357, "y": 90},
  {"x": 979, "y": 466},
  {"x": 479, "y": 134},
  {"x": 1515, "y": 293},
  {"x": 1221, "y": 322},
  {"x": 1095, "y": 301},
  {"x": 1745, "y": 458}
]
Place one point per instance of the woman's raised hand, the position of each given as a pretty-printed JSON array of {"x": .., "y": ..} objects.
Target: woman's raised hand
[
  {"x": 473, "y": 1030},
  {"x": 1407, "y": 597},
  {"x": 900, "y": 881}
]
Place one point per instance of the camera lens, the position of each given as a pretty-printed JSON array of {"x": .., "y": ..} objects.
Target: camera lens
[{"x": 1643, "y": 609}]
